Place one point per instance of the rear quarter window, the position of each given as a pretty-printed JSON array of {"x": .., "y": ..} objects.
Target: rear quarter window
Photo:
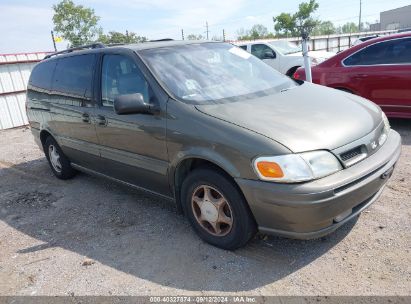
[
  {"x": 42, "y": 75},
  {"x": 74, "y": 75}
]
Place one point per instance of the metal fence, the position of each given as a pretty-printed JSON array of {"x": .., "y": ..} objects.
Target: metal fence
[
  {"x": 331, "y": 43},
  {"x": 15, "y": 71}
]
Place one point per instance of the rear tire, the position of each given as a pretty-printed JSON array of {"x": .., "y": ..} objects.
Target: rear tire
[
  {"x": 224, "y": 219},
  {"x": 59, "y": 163}
]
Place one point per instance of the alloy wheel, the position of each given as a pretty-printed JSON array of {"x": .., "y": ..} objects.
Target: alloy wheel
[
  {"x": 54, "y": 158},
  {"x": 212, "y": 210}
]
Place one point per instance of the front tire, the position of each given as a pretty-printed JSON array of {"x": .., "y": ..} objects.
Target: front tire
[
  {"x": 59, "y": 163},
  {"x": 217, "y": 210}
]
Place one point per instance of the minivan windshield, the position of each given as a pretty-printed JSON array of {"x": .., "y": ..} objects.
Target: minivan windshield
[
  {"x": 285, "y": 47},
  {"x": 204, "y": 73}
]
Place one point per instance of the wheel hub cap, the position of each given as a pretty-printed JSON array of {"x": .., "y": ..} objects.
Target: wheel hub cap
[
  {"x": 54, "y": 158},
  {"x": 209, "y": 212}
]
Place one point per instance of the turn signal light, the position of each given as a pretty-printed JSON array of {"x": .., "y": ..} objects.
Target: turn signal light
[{"x": 270, "y": 169}]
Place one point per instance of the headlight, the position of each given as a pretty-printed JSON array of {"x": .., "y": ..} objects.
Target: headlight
[
  {"x": 386, "y": 121},
  {"x": 292, "y": 168},
  {"x": 384, "y": 135}
]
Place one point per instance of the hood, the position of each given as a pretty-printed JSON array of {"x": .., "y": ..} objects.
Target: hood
[{"x": 304, "y": 118}]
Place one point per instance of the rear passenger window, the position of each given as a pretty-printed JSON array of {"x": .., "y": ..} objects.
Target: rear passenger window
[
  {"x": 397, "y": 51},
  {"x": 120, "y": 76},
  {"x": 74, "y": 76},
  {"x": 42, "y": 74}
]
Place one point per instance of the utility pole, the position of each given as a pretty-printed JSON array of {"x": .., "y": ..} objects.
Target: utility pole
[
  {"x": 223, "y": 35},
  {"x": 54, "y": 41},
  {"x": 207, "y": 29},
  {"x": 182, "y": 34},
  {"x": 359, "y": 18},
  {"x": 307, "y": 60}
]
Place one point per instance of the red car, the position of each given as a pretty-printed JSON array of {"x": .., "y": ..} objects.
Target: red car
[{"x": 378, "y": 69}]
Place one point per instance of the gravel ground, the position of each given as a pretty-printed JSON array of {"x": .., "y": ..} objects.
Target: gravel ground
[{"x": 87, "y": 236}]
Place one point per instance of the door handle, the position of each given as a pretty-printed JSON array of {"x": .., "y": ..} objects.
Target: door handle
[
  {"x": 101, "y": 120},
  {"x": 85, "y": 117}
]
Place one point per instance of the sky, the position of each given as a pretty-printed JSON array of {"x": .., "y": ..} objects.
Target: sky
[{"x": 25, "y": 25}]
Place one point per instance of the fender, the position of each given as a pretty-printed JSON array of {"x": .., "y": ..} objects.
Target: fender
[{"x": 204, "y": 154}]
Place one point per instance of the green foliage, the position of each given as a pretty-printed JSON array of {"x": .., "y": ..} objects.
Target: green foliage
[
  {"x": 114, "y": 37},
  {"x": 349, "y": 27},
  {"x": 284, "y": 25},
  {"x": 324, "y": 28},
  {"x": 287, "y": 24},
  {"x": 75, "y": 23},
  {"x": 257, "y": 31}
]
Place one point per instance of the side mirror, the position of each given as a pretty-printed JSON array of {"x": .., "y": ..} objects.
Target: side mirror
[
  {"x": 269, "y": 55},
  {"x": 131, "y": 104}
]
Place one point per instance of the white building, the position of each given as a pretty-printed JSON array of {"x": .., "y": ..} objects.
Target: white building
[{"x": 395, "y": 19}]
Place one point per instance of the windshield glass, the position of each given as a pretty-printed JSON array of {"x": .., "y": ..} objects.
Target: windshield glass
[
  {"x": 207, "y": 73},
  {"x": 285, "y": 47}
]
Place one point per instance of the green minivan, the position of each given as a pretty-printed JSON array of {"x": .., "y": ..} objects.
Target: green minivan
[{"x": 237, "y": 146}]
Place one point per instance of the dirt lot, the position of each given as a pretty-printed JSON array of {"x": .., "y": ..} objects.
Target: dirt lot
[{"x": 87, "y": 236}]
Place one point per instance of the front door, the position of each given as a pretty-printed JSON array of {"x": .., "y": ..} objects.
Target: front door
[
  {"x": 381, "y": 72},
  {"x": 133, "y": 146},
  {"x": 266, "y": 54}
]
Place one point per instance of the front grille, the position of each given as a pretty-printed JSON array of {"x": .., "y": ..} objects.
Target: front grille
[
  {"x": 350, "y": 154},
  {"x": 353, "y": 156}
]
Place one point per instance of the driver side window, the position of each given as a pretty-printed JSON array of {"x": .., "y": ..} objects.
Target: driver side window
[
  {"x": 120, "y": 76},
  {"x": 259, "y": 50}
]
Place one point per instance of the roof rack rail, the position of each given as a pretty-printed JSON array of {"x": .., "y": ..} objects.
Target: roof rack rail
[
  {"x": 164, "y": 39},
  {"x": 97, "y": 45}
]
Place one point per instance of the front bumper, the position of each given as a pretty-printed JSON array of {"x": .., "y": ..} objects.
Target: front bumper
[{"x": 311, "y": 210}]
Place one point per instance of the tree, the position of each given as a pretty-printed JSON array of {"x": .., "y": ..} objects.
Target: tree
[
  {"x": 116, "y": 37},
  {"x": 195, "y": 37},
  {"x": 324, "y": 28},
  {"x": 304, "y": 17},
  {"x": 349, "y": 27},
  {"x": 286, "y": 24},
  {"x": 258, "y": 31},
  {"x": 75, "y": 23}
]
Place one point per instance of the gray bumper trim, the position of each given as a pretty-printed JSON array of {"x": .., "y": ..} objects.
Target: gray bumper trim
[{"x": 317, "y": 234}]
